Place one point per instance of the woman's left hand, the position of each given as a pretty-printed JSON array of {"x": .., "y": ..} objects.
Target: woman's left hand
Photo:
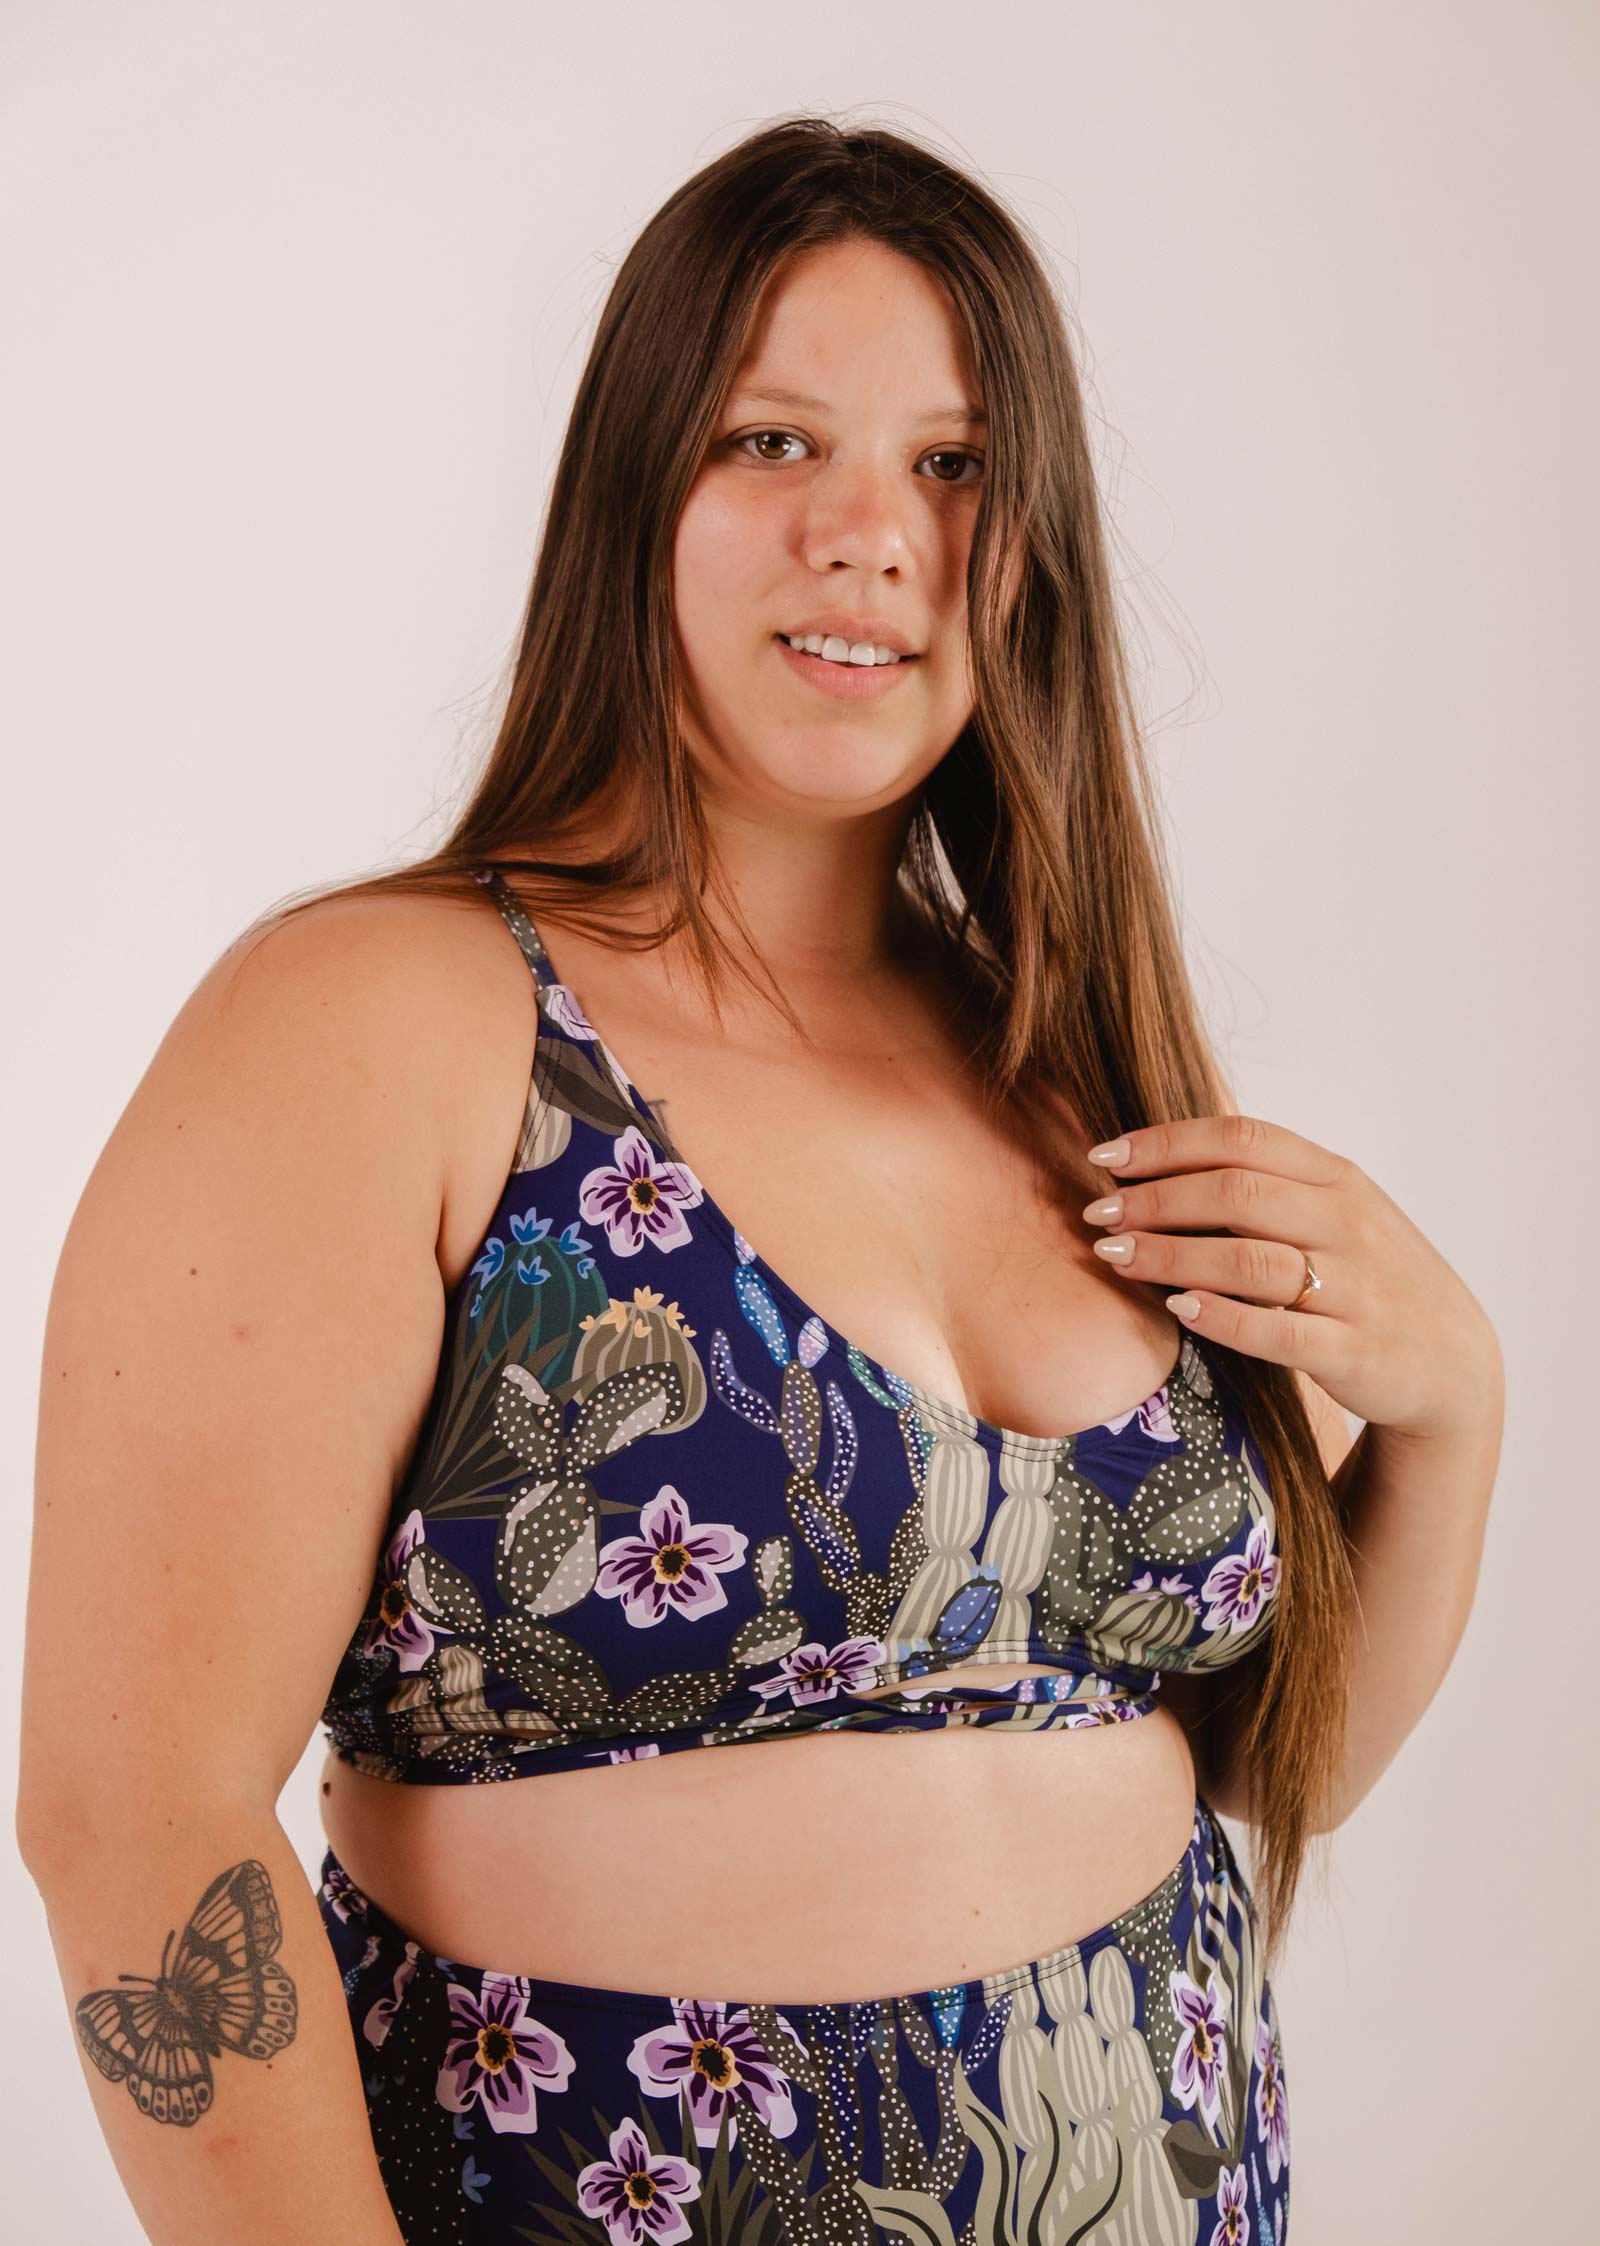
[{"x": 1222, "y": 1207}]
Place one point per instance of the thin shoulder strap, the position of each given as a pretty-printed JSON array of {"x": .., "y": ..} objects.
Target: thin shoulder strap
[{"x": 528, "y": 940}]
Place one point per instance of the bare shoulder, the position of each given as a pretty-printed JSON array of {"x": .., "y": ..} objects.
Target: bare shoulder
[
  {"x": 425, "y": 997},
  {"x": 429, "y": 963}
]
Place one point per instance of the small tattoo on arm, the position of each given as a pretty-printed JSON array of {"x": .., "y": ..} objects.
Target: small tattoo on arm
[{"x": 225, "y": 1990}]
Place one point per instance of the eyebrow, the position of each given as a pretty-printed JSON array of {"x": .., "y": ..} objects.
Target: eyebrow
[{"x": 804, "y": 403}]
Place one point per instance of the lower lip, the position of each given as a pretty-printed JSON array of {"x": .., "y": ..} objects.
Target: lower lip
[{"x": 847, "y": 682}]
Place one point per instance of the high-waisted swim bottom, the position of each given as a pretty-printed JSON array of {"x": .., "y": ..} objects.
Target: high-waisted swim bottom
[{"x": 1127, "y": 2090}]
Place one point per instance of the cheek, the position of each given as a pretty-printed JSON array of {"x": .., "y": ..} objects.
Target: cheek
[
  {"x": 724, "y": 527},
  {"x": 721, "y": 557}
]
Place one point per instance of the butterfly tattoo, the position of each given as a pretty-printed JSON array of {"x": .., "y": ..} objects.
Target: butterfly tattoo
[{"x": 226, "y": 1990}]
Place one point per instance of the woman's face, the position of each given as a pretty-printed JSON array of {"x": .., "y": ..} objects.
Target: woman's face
[{"x": 848, "y": 506}]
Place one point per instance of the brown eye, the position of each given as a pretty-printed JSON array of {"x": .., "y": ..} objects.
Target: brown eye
[
  {"x": 975, "y": 459},
  {"x": 756, "y": 435}
]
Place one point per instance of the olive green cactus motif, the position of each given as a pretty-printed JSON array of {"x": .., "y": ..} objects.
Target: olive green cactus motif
[
  {"x": 1076, "y": 2151},
  {"x": 955, "y": 1602},
  {"x": 533, "y": 1300},
  {"x": 1190, "y": 1504},
  {"x": 815, "y": 1495},
  {"x": 442, "y": 1705},
  {"x": 843, "y": 2038},
  {"x": 546, "y": 1559},
  {"x": 440, "y": 1708},
  {"x": 548, "y": 1549},
  {"x": 641, "y": 1331},
  {"x": 547, "y": 1553},
  {"x": 773, "y": 1632}
]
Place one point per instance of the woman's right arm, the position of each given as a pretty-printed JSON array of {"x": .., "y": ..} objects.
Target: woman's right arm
[{"x": 240, "y": 1349}]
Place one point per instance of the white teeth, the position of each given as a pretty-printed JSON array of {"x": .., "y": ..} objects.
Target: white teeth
[{"x": 836, "y": 649}]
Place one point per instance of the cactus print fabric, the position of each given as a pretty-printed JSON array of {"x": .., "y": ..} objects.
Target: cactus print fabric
[
  {"x": 658, "y": 1502},
  {"x": 1125, "y": 2091}
]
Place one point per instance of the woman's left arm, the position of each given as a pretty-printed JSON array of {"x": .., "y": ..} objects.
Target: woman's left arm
[{"x": 1393, "y": 1335}]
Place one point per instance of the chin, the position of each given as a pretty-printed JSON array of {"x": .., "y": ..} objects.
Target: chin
[{"x": 835, "y": 780}]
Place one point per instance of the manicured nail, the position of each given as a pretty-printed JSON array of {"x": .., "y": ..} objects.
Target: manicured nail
[
  {"x": 1184, "y": 1306},
  {"x": 1112, "y": 1155},
  {"x": 1106, "y": 1211},
  {"x": 1115, "y": 1251}
]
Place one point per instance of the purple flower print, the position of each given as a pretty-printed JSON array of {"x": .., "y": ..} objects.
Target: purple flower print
[
  {"x": 1272, "y": 2108},
  {"x": 1233, "y": 2227},
  {"x": 397, "y": 1625},
  {"x": 500, "y": 2054},
  {"x": 640, "y": 1199},
  {"x": 713, "y": 2052},
  {"x": 816, "y": 1672},
  {"x": 1172, "y": 1587},
  {"x": 638, "y": 2194},
  {"x": 1238, "y": 1587},
  {"x": 1197, "y": 2069},
  {"x": 561, "y": 1004},
  {"x": 1154, "y": 1417},
  {"x": 671, "y": 1563},
  {"x": 380, "y": 2018}
]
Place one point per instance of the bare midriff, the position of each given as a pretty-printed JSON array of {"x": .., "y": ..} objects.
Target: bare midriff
[{"x": 826, "y": 1867}]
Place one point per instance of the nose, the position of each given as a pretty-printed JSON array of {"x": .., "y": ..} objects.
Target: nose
[{"x": 857, "y": 515}]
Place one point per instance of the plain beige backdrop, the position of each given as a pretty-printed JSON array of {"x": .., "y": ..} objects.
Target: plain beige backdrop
[{"x": 296, "y": 299}]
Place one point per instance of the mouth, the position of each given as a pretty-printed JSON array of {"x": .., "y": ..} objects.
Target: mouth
[
  {"x": 845, "y": 682},
  {"x": 801, "y": 640}
]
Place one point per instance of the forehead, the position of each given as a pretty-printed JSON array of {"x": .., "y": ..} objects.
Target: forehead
[{"x": 857, "y": 320}]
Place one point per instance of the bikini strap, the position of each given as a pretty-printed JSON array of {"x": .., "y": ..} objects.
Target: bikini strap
[{"x": 528, "y": 940}]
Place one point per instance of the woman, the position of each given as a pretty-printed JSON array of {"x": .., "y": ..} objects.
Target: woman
[{"x": 659, "y": 1311}]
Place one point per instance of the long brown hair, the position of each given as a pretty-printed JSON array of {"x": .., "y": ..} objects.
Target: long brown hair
[{"x": 1035, "y": 849}]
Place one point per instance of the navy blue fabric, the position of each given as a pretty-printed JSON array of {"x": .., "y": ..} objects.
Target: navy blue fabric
[
  {"x": 1133, "y": 2079},
  {"x": 661, "y": 1503}
]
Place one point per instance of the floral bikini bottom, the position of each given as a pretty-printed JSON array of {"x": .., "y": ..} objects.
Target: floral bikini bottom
[{"x": 1127, "y": 2090}]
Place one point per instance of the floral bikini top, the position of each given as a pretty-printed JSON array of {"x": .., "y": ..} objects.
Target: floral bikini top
[{"x": 660, "y": 1502}]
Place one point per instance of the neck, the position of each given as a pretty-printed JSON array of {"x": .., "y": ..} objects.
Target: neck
[{"x": 820, "y": 898}]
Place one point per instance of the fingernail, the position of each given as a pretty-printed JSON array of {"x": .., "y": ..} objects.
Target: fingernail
[
  {"x": 1112, "y": 1155},
  {"x": 1106, "y": 1211},
  {"x": 1184, "y": 1306},
  {"x": 1115, "y": 1251}
]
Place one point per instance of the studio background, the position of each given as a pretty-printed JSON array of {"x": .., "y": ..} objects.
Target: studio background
[{"x": 296, "y": 303}]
